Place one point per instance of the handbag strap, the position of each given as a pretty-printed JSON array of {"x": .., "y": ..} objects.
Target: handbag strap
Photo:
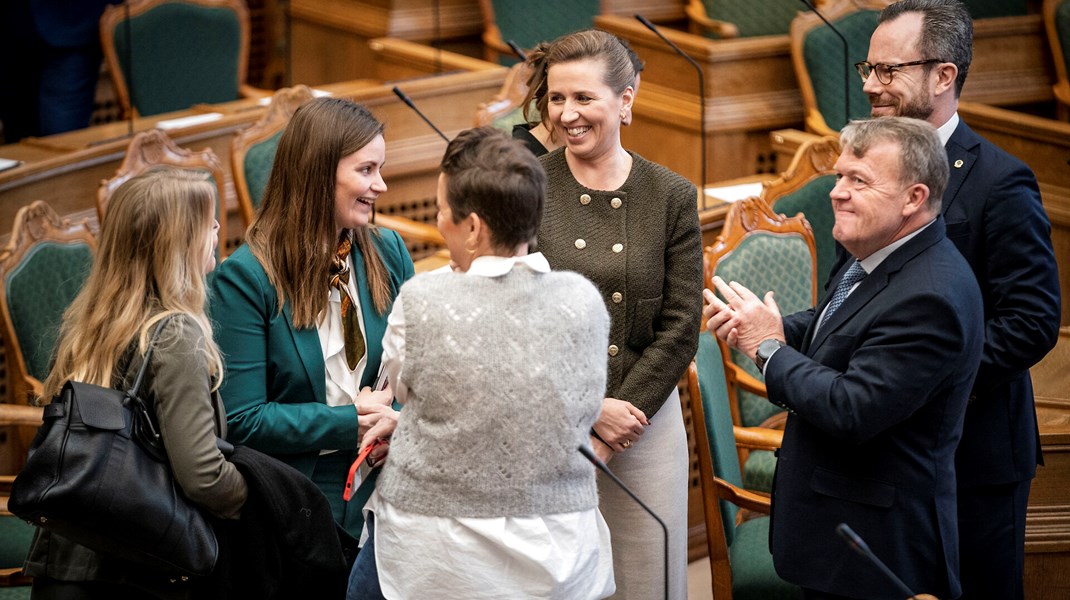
[{"x": 134, "y": 391}]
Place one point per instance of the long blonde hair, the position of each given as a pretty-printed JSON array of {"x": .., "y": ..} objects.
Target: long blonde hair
[
  {"x": 293, "y": 234},
  {"x": 149, "y": 265}
]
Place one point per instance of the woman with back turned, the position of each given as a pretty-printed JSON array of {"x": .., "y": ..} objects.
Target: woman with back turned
[{"x": 631, "y": 227}]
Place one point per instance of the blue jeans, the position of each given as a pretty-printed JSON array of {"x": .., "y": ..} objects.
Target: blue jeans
[{"x": 364, "y": 578}]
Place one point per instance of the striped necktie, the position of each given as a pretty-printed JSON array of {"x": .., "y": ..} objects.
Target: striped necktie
[{"x": 853, "y": 275}]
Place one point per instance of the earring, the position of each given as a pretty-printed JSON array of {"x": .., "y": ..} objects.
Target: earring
[{"x": 623, "y": 116}]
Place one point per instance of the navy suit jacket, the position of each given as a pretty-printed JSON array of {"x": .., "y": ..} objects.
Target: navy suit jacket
[
  {"x": 877, "y": 402},
  {"x": 995, "y": 218}
]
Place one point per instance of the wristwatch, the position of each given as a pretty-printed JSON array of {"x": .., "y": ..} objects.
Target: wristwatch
[{"x": 766, "y": 349}]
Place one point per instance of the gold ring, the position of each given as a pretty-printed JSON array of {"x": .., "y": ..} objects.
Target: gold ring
[{"x": 626, "y": 444}]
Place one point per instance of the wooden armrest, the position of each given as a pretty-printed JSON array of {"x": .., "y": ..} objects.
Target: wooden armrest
[
  {"x": 758, "y": 438},
  {"x": 18, "y": 414},
  {"x": 14, "y": 577},
  {"x": 777, "y": 421},
  {"x": 747, "y": 381},
  {"x": 701, "y": 22},
  {"x": 248, "y": 91},
  {"x": 741, "y": 497},
  {"x": 411, "y": 230}
]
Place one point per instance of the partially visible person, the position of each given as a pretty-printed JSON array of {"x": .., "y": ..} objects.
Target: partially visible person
[
  {"x": 537, "y": 134},
  {"x": 156, "y": 246},
  {"x": 918, "y": 60},
  {"x": 300, "y": 308},
  {"x": 631, "y": 227},
  {"x": 500, "y": 366},
  {"x": 875, "y": 380},
  {"x": 53, "y": 55}
]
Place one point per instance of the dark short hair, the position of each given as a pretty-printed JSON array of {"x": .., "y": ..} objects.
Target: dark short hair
[
  {"x": 922, "y": 158},
  {"x": 499, "y": 179},
  {"x": 946, "y": 32}
]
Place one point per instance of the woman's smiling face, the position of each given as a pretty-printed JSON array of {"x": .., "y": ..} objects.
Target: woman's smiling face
[{"x": 584, "y": 111}]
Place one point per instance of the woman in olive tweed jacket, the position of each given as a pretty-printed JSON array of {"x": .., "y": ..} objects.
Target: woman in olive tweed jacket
[{"x": 631, "y": 227}]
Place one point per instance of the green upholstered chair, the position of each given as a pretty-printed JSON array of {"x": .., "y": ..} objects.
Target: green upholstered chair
[
  {"x": 987, "y": 9},
  {"x": 742, "y": 18},
  {"x": 252, "y": 151},
  {"x": 804, "y": 189},
  {"x": 1057, "y": 24},
  {"x": 738, "y": 540},
  {"x": 817, "y": 54},
  {"x": 763, "y": 251},
  {"x": 167, "y": 55},
  {"x": 41, "y": 270},
  {"x": 15, "y": 538},
  {"x": 528, "y": 23},
  {"x": 153, "y": 148}
]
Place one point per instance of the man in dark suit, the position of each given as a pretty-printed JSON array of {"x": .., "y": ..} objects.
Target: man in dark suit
[
  {"x": 875, "y": 378},
  {"x": 917, "y": 63}
]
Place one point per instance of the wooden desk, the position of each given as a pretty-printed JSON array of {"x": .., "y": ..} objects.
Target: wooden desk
[
  {"x": 751, "y": 89},
  {"x": 66, "y": 169},
  {"x": 1047, "y": 532}
]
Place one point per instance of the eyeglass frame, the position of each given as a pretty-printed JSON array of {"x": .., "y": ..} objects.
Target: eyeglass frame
[{"x": 892, "y": 69}]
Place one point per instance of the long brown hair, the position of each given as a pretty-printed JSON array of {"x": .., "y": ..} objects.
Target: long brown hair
[
  {"x": 293, "y": 232},
  {"x": 149, "y": 266}
]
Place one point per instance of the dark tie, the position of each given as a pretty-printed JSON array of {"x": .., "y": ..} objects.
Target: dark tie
[
  {"x": 354, "y": 340},
  {"x": 853, "y": 275}
]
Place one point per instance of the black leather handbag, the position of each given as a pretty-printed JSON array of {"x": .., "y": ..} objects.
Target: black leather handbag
[{"x": 97, "y": 474}]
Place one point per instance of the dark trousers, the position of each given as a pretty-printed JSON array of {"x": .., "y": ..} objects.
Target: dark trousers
[
  {"x": 364, "y": 578},
  {"x": 992, "y": 540}
]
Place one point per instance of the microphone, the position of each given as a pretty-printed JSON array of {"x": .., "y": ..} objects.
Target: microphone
[
  {"x": 517, "y": 50},
  {"x": 846, "y": 62},
  {"x": 858, "y": 545},
  {"x": 701, "y": 96},
  {"x": 597, "y": 462},
  {"x": 405, "y": 98}
]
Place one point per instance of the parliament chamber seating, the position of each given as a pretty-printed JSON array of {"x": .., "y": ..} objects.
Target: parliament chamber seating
[
  {"x": 508, "y": 20},
  {"x": 167, "y": 55},
  {"x": 764, "y": 251},
  {"x": 742, "y": 18},
  {"x": 1057, "y": 26},
  {"x": 737, "y": 522}
]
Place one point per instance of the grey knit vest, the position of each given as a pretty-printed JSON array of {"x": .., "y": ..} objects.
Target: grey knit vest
[{"x": 505, "y": 377}]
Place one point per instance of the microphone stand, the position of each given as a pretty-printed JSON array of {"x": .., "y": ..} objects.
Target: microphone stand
[
  {"x": 858, "y": 545},
  {"x": 517, "y": 50},
  {"x": 701, "y": 96},
  {"x": 408, "y": 101},
  {"x": 597, "y": 462},
  {"x": 846, "y": 62}
]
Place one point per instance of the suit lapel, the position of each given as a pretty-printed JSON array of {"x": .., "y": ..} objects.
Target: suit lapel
[
  {"x": 873, "y": 284},
  {"x": 961, "y": 154},
  {"x": 307, "y": 344},
  {"x": 374, "y": 323}
]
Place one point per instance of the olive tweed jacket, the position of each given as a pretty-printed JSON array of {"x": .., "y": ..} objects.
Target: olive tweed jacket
[{"x": 642, "y": 248}]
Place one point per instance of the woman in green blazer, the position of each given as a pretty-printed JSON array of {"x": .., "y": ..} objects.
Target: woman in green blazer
[{"x": 301, "y": 338}]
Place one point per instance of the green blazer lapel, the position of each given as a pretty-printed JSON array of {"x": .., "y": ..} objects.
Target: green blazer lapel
[
  {"x": 307, "y": 344},
  {"x": 374, "y": 323}
]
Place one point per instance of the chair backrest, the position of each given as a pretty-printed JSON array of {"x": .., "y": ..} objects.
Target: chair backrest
[
  {"x": 986, "y": 9},
  {"x": 763, "y": 251},
  {"x": 817, "y": 54},
  {"x": 804, "y": 188},
  {"x": 152, "y": 148},
  {"x": 167, "y": 55},
  {"x": 252, "y": 151},
  {"x": 15, "y": 538},
  {"x": 505, "y": 109},
  {"x": 528, "y": 23},
  {"x": 753, "y": 17},
  {"x": 1057, "y": 24},
  {"x": 41, "y": 271}
]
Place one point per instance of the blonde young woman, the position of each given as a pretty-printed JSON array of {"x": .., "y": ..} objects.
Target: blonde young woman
[
  {"x": 300, "y": 309},
  {"x": 156, "y": 246},
  {"x": 631, "y": 227}
]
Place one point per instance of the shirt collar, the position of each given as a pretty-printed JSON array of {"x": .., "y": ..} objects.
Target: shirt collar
[
  {"x": 945, "y": 130},
  {"x": 874, "y": 260},
  {"x": 496, "y": 266}
]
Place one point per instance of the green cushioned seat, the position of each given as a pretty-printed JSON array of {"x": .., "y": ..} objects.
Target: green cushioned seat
[
  {"x": 259, "y": 159},
  {"x": 812, "y": 200},
  {"x": 180, "y": 55},
  {"x": 528, "y": 23},
  {"x": 37, "y": 292},
  {"x": 755, "y": 17},
  {"x": 1062, "y": 28},
  {"x": 15, "y": 538},
  {"x": 823, "y": 55},
  {"x": 753, "y": 575},
  {"x": 986, "y": 9}
]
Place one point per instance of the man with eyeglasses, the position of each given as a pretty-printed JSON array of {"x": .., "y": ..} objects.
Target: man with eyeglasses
[{"x": 918, "y": 59}]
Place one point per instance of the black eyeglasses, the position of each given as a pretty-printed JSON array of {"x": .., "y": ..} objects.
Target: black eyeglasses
[{"x": 885, "y": 72}]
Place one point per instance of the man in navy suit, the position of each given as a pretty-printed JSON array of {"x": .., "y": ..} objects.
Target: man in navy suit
[
  {"x": 875, "y": 378},
  {"x": 918, "y": 59}
]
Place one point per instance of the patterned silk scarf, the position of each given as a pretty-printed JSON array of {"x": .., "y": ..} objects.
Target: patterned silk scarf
[{"x": 354, "y": 339}]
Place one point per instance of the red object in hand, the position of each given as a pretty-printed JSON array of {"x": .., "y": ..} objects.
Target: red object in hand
[{"x": 348, "y": 493}]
